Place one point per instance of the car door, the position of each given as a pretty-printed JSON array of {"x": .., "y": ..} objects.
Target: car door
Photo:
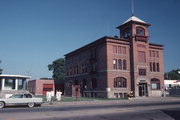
[{"x": 15, "y": 99}]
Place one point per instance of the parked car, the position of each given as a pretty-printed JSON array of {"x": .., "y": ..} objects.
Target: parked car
[{"x": 21, "y": 99}]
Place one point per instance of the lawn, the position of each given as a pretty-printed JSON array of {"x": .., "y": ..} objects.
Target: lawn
[{"x": 69, "y": 99}]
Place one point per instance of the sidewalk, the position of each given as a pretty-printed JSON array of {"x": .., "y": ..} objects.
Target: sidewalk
[{"x": 138, "y": 100}]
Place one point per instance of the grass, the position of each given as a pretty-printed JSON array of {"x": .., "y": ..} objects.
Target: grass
[{"x": 71, "y": 99}]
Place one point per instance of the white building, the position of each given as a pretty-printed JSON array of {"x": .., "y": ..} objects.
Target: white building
[
  {"x": 171, "y": 84},
  {"x": 10, "y": 84}
]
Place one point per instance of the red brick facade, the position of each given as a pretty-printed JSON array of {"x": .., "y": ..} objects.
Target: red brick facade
[
  {"x": 111, "y": 66},
  {"x": 41, "y": 86}
]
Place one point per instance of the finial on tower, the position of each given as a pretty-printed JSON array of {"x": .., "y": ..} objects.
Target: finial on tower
[{"x": 132, "y": 3}]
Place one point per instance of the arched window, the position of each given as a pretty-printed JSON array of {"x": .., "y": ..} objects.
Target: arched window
[
  {"x": 120, "y": 82},
  {"x": 157, "y": 66},
  {"x": 155, "y": 84},
  {"x": 154, "y": 67},
  {"x": 114, "y": 63},
  {"x": 120, "y": 64},
  {"x": 124, "y": 65},
  {"x": 140, "y": 31}
]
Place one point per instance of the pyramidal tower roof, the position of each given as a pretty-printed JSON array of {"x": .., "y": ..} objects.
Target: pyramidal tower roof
[{"x": 134, "y": 18}]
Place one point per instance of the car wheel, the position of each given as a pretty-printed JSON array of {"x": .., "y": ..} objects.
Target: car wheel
[
  {"x": 2, "y": 104},
  {"x": 31, "y": 104}
]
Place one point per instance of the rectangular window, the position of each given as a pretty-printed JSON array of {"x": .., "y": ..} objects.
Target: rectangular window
[
  {"x": 114, "y": 49},
  {"x": 124, "y": 50},
  {"x": 120, "y": 64},
  {"x": 150, "y": 53},
  {"x": 124, "y": 65},
  {"x": 157, "y": 66},
  {"x": 142, "y": 72},
  {"x": 115, "y": 64},
  {"x": 157, "y": 54},
  {"x": 150, "y": 66},
  {"x": 141, "y": 56},
  {"x": 94, "y": 83},
  {"x": 119, "y": 50},
  {"x": 153, "y": 53},
  {"x": 154, "y": 67},
  {"x": 155, "y": 86}
]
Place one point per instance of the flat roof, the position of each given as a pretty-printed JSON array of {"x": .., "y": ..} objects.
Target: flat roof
[{"x": 15, "y": 76}]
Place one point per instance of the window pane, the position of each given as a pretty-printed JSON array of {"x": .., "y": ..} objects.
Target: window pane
[
  {"x": 124, "y": 64},
  {"x": 120, "y": 64},
  {"x": 154, "y": 86},
  {"x": 114, "y": 64}
]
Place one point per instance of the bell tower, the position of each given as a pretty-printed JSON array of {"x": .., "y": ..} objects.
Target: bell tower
[
  {"x": 134, "y": 27},
  {"x": 135, "y": 31}
]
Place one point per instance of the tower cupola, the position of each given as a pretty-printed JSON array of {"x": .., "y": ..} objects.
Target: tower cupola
[{"x": 133, "y": 27}]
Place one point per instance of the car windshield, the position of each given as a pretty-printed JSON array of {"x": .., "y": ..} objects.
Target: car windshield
[{"x": 16, "y": 96}]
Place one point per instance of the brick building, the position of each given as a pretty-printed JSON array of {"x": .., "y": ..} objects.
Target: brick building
[
  {"x": 40, "y": 86},
  {"x": 111, "y": 66}
]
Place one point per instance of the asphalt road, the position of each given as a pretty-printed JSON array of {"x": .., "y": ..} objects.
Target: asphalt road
[{"x": 97, "y": 110}]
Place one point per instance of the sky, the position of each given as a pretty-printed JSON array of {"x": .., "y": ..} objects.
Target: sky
[{"x": 33, "y": 33}]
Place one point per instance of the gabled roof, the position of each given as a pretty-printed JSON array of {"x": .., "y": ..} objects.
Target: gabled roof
[{"x": 134, "y": 18}]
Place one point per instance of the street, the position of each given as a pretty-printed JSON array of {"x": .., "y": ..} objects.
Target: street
[{"x": 136, "y": 109}]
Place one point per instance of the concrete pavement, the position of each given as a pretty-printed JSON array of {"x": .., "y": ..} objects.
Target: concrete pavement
[{"x": 134, "y": 109}]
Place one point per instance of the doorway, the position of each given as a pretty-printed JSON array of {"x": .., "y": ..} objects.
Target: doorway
[{"x": 143, "y": 91}]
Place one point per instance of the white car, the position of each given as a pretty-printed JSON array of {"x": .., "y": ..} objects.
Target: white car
[{"x": 21, "y": 99}]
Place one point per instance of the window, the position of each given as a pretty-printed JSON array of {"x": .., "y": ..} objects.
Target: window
[
  {"x": 141, "y": 56},
  {"x": 124, "y": 64},
  {"x": 154, "y": 67},
  {"x": 114, "y": 49},
  {"x": 120, "y": 64},
  {"x": 153, "y": 53},
  {"x": 157, "y": 54},
  {"x": 155, "y": 84},
  {"x": 17, "y": 96},
  {"x": 93, "y": 53},
  {"x": 119, "y": 50},
  {"x": 140, "y": 31},
  {"x": 94, "y": 83},
  {"x": 115, "y": 64},
  {"x": 120, "y": 82},
  {"x": 124, "y": 50},
  {"x": 84, "y": 84},
  {"x": 142, "y": 72},
  {"x": 150, "y": 66},
  {"x": 157, "y": 66},
  {"x": 28, "y": 95},
  {"x": 126, "y": 33}
]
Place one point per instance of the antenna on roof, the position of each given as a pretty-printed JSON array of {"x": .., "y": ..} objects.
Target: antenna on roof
[{"x": 132, "y": 5}]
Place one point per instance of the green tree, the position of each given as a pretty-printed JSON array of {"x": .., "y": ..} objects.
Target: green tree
[
  {"x": 173, "y": 75},
  {"x": 1, "y": 69},
  {"x": 57, "y": 67}
]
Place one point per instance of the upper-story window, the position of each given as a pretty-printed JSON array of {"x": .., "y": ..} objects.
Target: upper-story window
[
  {"x": 119, "y": 49},
  {"x": 126, "y": 33},
  {"x": 153, "y": 53},
  {"x": 115, "y": 64},
  {"x": 141, "y": 56},
  {"x": 142, "y": 72},
  {"x": 140, "y": 31}
]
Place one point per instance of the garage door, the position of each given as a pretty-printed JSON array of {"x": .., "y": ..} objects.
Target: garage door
[{"x": 47, "y": 87}]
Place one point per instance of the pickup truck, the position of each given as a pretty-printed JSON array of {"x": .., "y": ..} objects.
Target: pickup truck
[{"x": 21, "y": 99}]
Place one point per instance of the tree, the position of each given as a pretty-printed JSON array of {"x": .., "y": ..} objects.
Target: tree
[
  {"x": 173, "y": 75},
  {"x": 1, "y": 69},
  {"x": 57, "y": 67}
]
